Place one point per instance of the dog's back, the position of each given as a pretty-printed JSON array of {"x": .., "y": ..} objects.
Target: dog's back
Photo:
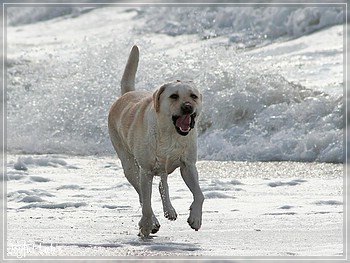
[
  {"x": 128, "y": 79},
  {"x": 129, "y": 109}
]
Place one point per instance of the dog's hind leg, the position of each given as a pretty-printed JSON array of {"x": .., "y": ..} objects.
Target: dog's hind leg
[
  {"x": 130, "y": 167},
  {"x": 169, "y": 211},
  {"x": 132, "y": 173},
  {"x": 146, "y": 222},
  {"x": 131, "y": 170}
]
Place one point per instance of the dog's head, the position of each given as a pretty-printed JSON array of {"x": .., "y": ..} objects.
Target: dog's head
[{"x": 181, "y": 102}]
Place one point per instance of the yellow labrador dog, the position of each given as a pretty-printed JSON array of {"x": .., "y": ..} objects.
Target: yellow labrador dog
[{"x": 153, "y": 134}]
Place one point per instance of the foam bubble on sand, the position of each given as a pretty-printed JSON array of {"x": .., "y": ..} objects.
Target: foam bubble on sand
[
  {"x": 289, "y": 183},
  {"x": 70, "y": 187},
  {"x": 54, "y": 205},
  {"x": 29, "y": 196},
  {"x": 286, "y": 207},
  {"x": 39, "y": 179},
  {"x": 328, "y": 202},
  {"x": 15, "y": 175},
  {"x": 23, "y": 162},
  {"x": 31, "y": 199},
  {"x": 217, "y": 195}
]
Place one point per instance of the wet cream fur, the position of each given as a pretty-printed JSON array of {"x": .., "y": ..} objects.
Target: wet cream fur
[{"x": 146, "y": 141}]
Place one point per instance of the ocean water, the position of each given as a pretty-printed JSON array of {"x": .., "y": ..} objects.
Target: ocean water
[{"x": 64, "y": 66}]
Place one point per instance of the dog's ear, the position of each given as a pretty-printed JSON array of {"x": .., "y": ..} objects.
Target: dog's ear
[{"x": 156, "y": 97}]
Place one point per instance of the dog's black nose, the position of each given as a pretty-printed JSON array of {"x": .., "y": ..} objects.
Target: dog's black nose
[{"x": 187, "y": 108}]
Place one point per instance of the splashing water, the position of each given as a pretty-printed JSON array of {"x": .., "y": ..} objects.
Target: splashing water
[{"x": 58, "y": 99}]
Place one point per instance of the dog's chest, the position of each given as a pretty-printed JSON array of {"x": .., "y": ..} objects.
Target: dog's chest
[{"x": 169, "y": 156}]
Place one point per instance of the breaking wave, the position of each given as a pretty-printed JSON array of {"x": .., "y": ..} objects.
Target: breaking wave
[{"x": 60, "y": 105}]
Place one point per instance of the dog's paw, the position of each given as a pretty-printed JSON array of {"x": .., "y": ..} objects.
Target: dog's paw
[
  {"x": 195, "y": 219},
  {"x": 145, "y": 226},
  {"x": 194, "y": 222},
  {"x": 170, "y": 213},
  {"x": 155, "y": 225}
]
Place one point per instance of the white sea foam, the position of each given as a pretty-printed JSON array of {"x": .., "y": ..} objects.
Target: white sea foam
[
  {"x": 248, "y": 25},
  {"x": 242, "y": 23},
  {"x": 58, "y": 97}
]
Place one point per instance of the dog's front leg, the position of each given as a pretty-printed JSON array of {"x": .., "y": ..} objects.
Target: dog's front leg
[
  {"x": 190, "y": 176},
  {"x": 169, "y": 211},
  {"x": 145, "y": 223}
]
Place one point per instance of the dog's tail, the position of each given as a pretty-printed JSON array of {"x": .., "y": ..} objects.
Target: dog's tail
[{"x": 128, "y": 79}]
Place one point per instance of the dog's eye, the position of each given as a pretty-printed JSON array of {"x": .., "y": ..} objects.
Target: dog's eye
[
  {"x": 194, "y": 96},
  {"x": 174, "y": 96}
]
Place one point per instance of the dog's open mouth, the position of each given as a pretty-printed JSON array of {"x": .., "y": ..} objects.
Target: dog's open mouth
[{"x": 184, "y": 123}]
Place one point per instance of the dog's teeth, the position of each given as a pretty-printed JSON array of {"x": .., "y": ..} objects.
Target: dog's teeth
[{"x": 184, "y": 130}]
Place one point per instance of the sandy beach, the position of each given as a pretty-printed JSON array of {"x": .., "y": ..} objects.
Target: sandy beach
[{"x": 84, "y": 207}]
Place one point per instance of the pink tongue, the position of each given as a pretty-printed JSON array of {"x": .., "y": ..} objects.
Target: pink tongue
[{"x": 184, "y": 122}]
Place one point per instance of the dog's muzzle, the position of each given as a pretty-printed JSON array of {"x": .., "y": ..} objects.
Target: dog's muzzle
[{"x": 186, "y": 121}]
